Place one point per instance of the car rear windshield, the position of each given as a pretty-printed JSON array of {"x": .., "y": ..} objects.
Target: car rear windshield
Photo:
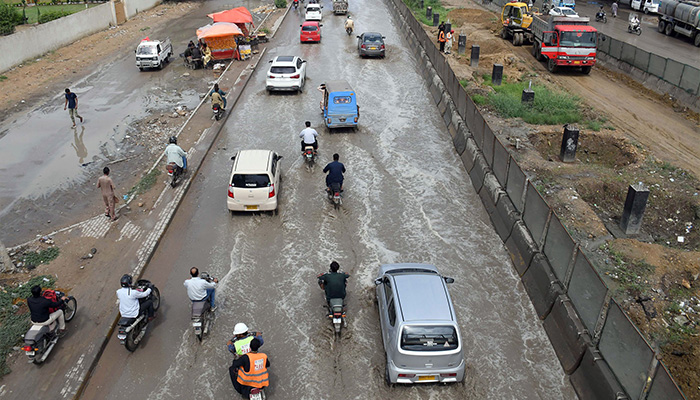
[
  {"x": 373, "y": 39},
  {"x": 250, "y": 180},
  {"x": 308, "y": 28},
  {"x": 429, "y": 338},
  {"x": 313, "y": 9},
  {"x": 342, "y": 100},
  {"x": 283, "y": 70}
]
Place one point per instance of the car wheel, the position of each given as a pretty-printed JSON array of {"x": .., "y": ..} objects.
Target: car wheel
[
  {"x": 586, "y": 70},
  {"x": 662, "y": 26},
  {"x": 551, "y": 65}
]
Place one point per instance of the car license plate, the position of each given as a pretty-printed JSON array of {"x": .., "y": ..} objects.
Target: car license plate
[
  {"x": 121, "y": 337},
  {"x": 577, "y": 62},
  {"x": 373, "y": 48},
  {"x": 427, "y": 378},
  {"x": 342, "y": 119},
  {"x": 30, "y": 353},
  {"x": 196, "y": 324},
  {"x": 251, "y": 207},
  {"x": 256, "y": 396},
  {"x": 337, "y": 320}
]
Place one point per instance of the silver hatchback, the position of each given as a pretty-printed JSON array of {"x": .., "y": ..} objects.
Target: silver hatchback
[{"x": 419, "y": 327}]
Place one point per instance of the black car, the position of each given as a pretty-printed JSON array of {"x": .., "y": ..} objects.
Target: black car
[{"x": 371, "y": 44}]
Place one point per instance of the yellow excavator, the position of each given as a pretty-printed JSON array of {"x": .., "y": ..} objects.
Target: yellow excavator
[{"x": 516, "y": 18}]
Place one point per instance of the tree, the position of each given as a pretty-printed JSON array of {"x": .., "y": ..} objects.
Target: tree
[{"x": 9, "y": 18}]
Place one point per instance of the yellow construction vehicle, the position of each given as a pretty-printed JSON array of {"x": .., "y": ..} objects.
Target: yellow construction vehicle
[{"x": 516, "y": 19}]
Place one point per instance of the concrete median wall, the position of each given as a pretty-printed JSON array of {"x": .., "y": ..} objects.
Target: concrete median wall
[
  {"x": 133, "y": 7},
  {"x": 604, "y": 354}
]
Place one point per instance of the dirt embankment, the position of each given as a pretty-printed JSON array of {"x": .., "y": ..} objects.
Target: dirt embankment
[{"x": 639, "y": 137}]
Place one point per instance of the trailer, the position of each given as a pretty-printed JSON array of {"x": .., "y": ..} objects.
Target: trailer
[
  {"x": 680, "y": 17},
  {"x": 564, "y": 42}
]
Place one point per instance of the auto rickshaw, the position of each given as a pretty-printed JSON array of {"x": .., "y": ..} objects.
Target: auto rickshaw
[{"x": 339, "y": 105}]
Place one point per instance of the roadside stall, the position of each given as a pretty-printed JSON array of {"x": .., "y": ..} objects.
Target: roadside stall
[
  {"x": 244, "y": 21},
  {"x": 220, "y": 37}
]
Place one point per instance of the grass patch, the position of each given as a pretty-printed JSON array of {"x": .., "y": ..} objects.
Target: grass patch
[
  {"x": 264, "y": 30},
  {"x": 464, "y": 82},
  {"x": 631, "y": 277},
  {"x": 479, "y": 99},
  {"x": 33, "y": 13},
  {"x": 34, "y": 259},
  {"x": 549, "y": 108},
  {"x": 419, "y": 13},
  {"x": 14, "y": 319},
  {"x": 2, "y": 78},
  {"x": 145, "y": 183}
]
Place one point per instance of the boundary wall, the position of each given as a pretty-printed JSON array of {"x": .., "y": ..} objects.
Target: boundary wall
[
  {"x": 599, "y": 348},
  {"x": 40, "y": 39}
]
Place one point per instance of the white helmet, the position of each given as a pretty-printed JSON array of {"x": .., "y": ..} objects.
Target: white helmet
[{"x": 240, "y": 328}]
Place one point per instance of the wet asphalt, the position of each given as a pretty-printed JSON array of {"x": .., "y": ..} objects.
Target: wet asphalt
[{"x": 407, "y": 199}]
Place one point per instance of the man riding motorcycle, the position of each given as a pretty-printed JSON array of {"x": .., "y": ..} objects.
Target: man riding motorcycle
[
  {"x": 199, "y": 289},
  {"x": 129, "y": 304},
  {"x": 240, "y": 342},
  {"x": 40, "y": 310},
  {"x": 250, "y": 371},
  {"x": 349, "y": 24},
  {"x": 175, "y": 154},
  {"x": 333, "y": 282},
  {"x": 335, "y": 172},
  {"x": 308, "y": 136},
  {"x": 634, "y": 22}
]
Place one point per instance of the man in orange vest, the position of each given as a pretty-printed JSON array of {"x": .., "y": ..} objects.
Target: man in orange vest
[
  {"x": 442, "y": 41},
  {"x": 252, "y": 370}
]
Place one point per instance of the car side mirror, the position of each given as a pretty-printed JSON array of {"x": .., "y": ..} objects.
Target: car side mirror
[
  {"x": 301, "y": 25},
  {"x": 279, "y": 158},
  {"x": 270, "y": 61},
  {"x": 378, "y": 281},
  {"x": 383, "y": 37},
  {"x": 448, "y": 280},
  {"x": 303, "y": 61},
  {"x": 357, "y": 37},
  {"x": 233, "y": 158}
]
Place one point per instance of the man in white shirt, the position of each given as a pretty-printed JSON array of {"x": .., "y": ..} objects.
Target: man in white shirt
[
  {"x": 175, "y": 154},
  {"x": 199, "y": 289},
  {"x": 129, "y": 304},
  {"x": 308, "y": 136}
]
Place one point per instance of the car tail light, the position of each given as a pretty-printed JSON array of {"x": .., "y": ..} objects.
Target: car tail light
[
  {"x": 328, "y": 120},
  {"x": 27, "y": 348},
  {"x": 382, "y": 47},
  {"x": 295, "y": 76},
  {"x": 363, "y": 46},
  {"x": 355, "y": 119},
  {"x": 271, "y": 76},
  {"x": 230, "y": 191},
  {"x": 407, "y": 375},
  {"x": 447, "y": 375},
  {"x": 272, "y": 191}
]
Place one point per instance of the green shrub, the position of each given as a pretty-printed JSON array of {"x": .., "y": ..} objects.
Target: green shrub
[
  {"x": 280, "y": 3},
  {"x": 52, "y": 15},
  {"x": 9, "y": 18}
]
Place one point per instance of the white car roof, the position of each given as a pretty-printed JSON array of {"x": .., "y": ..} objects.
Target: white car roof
[
  {"x": 252, "y": 161},
  {"x": 289, "y": 61}
]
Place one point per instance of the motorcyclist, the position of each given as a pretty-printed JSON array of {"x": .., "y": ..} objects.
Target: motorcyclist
[
  {"x": 39, "y": 308},
  {"x": 130, "y": 305},
  {"x": 634, "y": 22},
  {"x": 199, "y": 289},
  {"x": 242, "y": 337},
  {"x": 296, "y": 3},
  {"x": 601, "y": 12},
  {"x": 250, "y": 370},
  {"x": 308, "y": 137},
  {"x": 349, "y": 24},
  {"x": 217, "y": 99},
  {"x": 220, "y": 92},
  {"x": 333, "y": 282},
  {"x": 175, "y": 154},
  {"x": 335, "y": 172}
]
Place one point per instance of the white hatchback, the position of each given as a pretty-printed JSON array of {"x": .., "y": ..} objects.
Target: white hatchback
[
  {"x": 563, "y": 12},
  {"x": 255, "y": 181},
  {"x": 286, "y": 73},
  {"x": 313, "y": 12}
]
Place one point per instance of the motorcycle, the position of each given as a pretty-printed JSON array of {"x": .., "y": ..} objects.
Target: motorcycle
[
  {"x": 255, "y": 393},
  {"x": 601, "y": 17},
  {"x": 175, "y": 173},
  {"x": 218, "y": 111},
  {"x": 202, "y": 316},
  {"x": 296, "y": 4},
  {"x": 310, "y": 155},
  {"x": 348, "y": 30},
  {"x": 634, "y": 28},
  {"x": 40, "y": 340},
  {"x": 334, "y": 195},
  {"x": 132, "y": 330},
  {"x": 336, "y": 312}
]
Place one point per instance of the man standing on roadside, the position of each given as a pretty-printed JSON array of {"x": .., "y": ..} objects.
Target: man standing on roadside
[
  {"x": 107, "y": 186},
  {"x": 614, "y": 9},
  {"x": 441, "y": 36},
  {"x": 72, "y": 104}
]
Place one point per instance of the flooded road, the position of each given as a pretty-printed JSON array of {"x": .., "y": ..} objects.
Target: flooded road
[
  {"x": 48, "y": 169},
  {"x": 407, "y": 199}
]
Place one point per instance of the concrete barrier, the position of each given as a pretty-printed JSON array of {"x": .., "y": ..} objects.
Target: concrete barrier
[
  {"x": 541, "y": 285},
  {"x": 567, "y": 333},
  {"x": 663, "y": 387},
  {"x": 505, "y": 217},
  {"x": 558, "y": 247},
  {"x": 133, "y": 7},
  {"x": 460, "y": 139},
  {"x": 469, "y": 155},
  {"x": 501, "y": 157},
  {"x": 521, "y": 247},
  {"x": 594, "y": 380},
  {"x": 515, "y": 184},
  {"x": 536, "y": 213},
  {"x": 488, "y": 144},
  {"x": 478, "y": 173},
  {"x": 586, "y": 291}
]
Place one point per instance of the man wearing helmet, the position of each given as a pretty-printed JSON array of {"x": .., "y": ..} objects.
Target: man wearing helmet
[
  {"x": 129, "y": 304},
  {"x": 175, "y": 154},
  {"x": 240, "y": 342}
]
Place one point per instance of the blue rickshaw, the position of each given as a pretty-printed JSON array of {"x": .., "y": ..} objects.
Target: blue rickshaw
[{"x": 340, "y": 109}]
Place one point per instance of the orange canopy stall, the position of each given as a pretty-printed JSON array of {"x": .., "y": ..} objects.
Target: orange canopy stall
[
  {"x": 239, "y": 16},
  {"x": 221, "y": 39}
]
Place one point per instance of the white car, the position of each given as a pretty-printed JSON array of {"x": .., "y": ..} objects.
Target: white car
[
  {"x": 255, "y": 181},
  {"x": 563, "y": 12},
  {"x": 286, "y": 73},
  {"x": 313, "y": 12}
]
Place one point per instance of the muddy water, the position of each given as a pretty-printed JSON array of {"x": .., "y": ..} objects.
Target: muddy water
[{"x": 407, "y": 199}]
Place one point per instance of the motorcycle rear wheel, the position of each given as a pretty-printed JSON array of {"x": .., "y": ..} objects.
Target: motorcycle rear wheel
[
  {"x": 155, "y": 295},
  {"x": 71, "y": 308},
  {"x": 130, "y": 342}
]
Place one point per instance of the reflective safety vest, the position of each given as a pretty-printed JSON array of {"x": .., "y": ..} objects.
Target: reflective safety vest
[
  {"x": 441, "y": 38},
  {"x": 257, "y": 377},
  {"x": 243, "y": 345}
]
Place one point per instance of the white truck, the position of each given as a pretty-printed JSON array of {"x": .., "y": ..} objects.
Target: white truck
[
  {"x": 153, "y": 53},
  {"x": 682, "y": 17},
  {"x": 340, "y": 7},
  {"x": 647, "y": 6}
]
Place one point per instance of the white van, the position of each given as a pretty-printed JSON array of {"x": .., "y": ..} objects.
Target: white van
[
  {"x": 648, "y": 6},
  {"x": 255, "y": 181}
]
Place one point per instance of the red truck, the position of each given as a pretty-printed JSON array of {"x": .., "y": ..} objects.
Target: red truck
[{"x": 564, "y": 42}]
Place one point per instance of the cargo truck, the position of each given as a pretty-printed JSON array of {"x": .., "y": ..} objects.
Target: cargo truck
[
  {"x": 561, "y": 41},
  {"x": 680, "y": 17},
  {"x": 340, "y": 7}
]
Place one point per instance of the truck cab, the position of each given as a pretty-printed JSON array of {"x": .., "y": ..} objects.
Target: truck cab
[{"x": 565, "y": 42}]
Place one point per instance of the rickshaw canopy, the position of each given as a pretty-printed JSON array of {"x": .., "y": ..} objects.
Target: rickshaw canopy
[{"x": 341, "y": 98}]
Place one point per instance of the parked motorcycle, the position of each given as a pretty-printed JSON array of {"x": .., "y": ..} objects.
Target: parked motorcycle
[
  {"x": 132, "y": 330},
  {"x": 40, "y": 340},
  {"x": 202, "y": 315},
  {"x": 601, "y": 17},
  {"x": 334, "y": 195},
  {"x": 218, "y": 111},
  {"x": 309, "y": 155},
  {"x": 175, "y": 173},
  {"x": 634, "y": 28}
]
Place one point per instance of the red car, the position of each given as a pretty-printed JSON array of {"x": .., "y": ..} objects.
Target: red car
[{"x": 310, "y": 32}]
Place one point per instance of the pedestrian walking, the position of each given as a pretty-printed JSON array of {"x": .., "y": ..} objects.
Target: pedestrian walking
[
  {"x": 106, "y": 185},
  {"x": 72, "y": 104},
  {"x": 614, "y": 9},
  {"x": 448, "y": 44},
  {"x": 441, "y": 35}
]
